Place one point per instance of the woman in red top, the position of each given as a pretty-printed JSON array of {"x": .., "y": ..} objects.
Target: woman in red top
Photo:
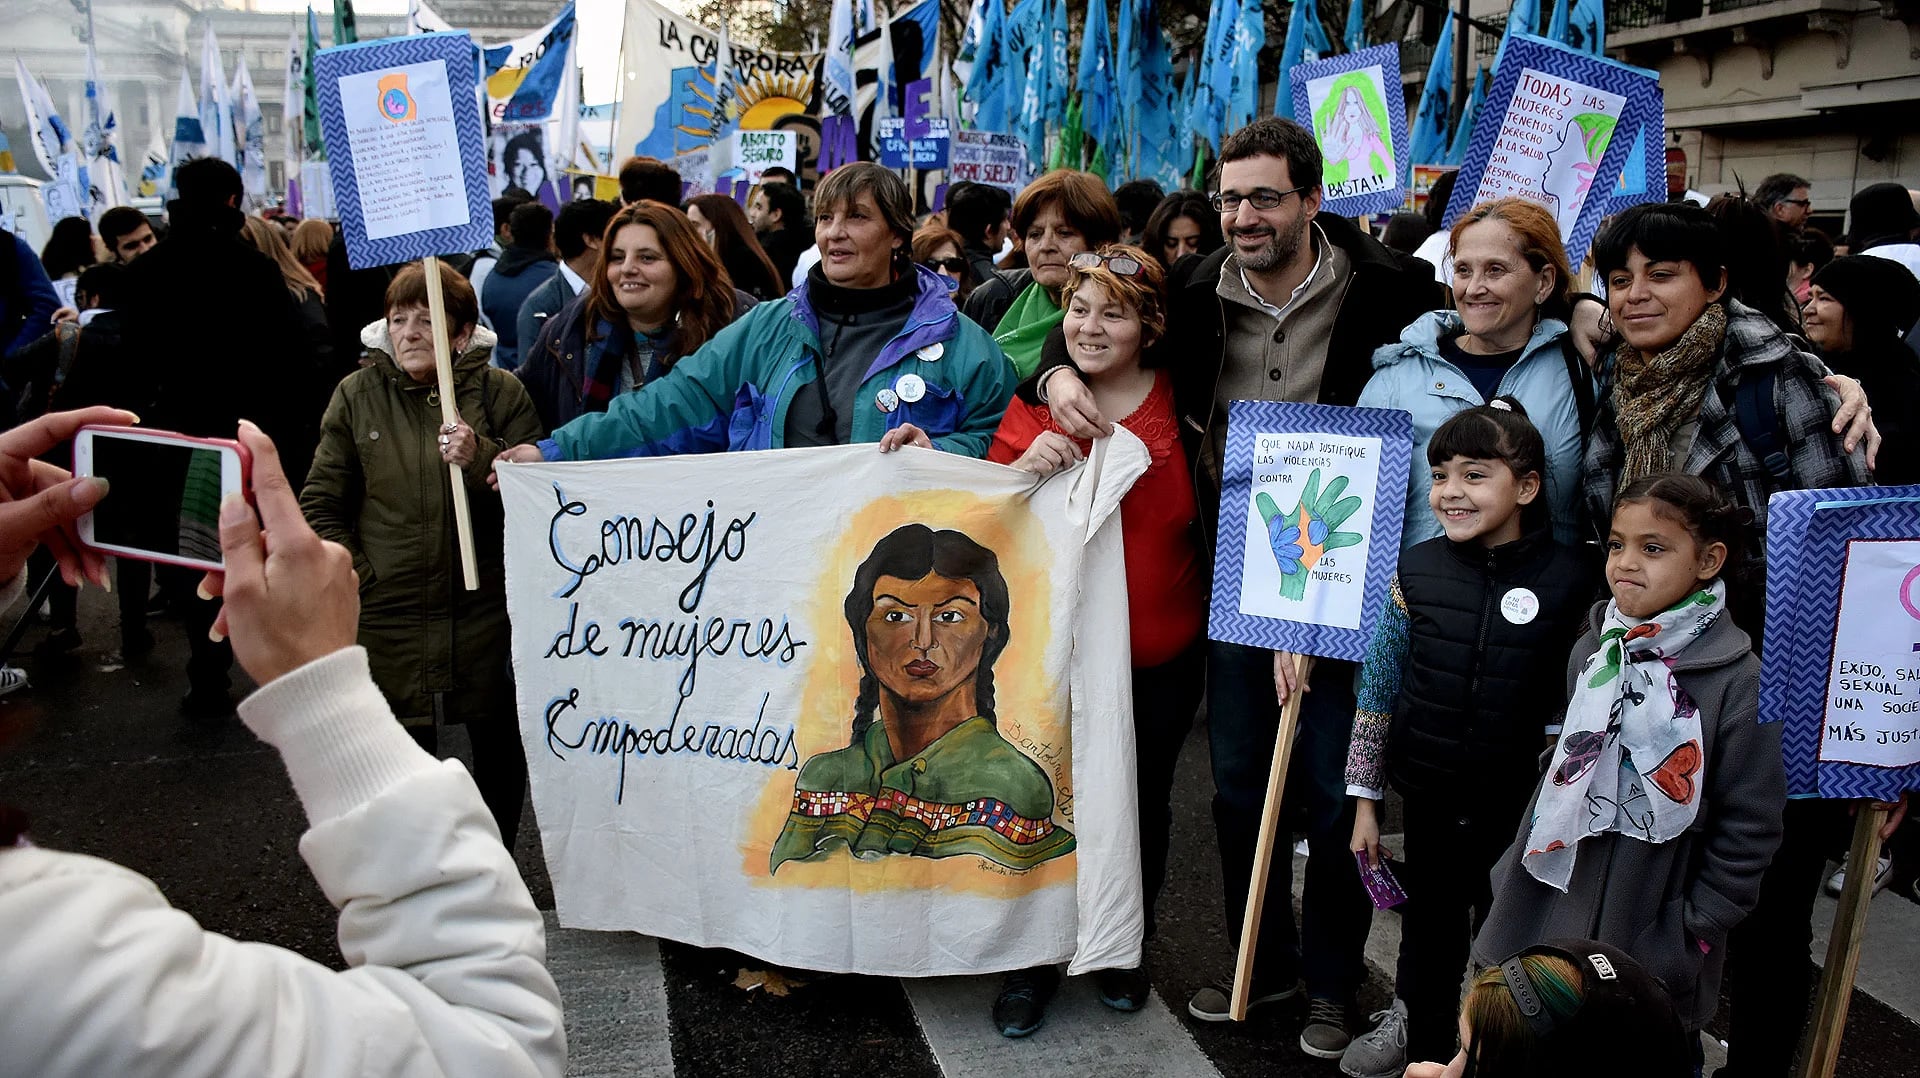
[{"x": 1115, "y": 304}]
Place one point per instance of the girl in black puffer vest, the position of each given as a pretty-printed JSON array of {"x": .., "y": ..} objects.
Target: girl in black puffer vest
[{"x": 1458, "y": 696}]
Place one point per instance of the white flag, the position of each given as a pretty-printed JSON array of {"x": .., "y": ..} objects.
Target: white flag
[
  {"x": 251, "y": 131},
  {"x": 189, "y": 138},
  {"x": 295, "y": 124},
  {"x": 838, "y": 65},
  {"x": 66, "y": 193},
  {"x": 216, "y": 105},
  {"x": 108, "y": 178}
]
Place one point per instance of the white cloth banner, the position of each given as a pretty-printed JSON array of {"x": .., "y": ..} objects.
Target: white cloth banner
[{"x": 883, "y": 727}]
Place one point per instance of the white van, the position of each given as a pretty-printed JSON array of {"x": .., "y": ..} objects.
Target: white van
[{"x": 21, "y": 211}]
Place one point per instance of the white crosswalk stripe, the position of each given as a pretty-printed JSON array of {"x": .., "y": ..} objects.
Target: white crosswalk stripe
[{"x": 1082, "y": 1036}]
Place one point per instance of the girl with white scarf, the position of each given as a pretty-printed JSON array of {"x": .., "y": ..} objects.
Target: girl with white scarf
[{"x": 1660, "y": 806}]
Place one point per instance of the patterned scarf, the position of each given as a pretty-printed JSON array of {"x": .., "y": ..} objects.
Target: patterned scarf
[
  {"x": 1629, "y": 758},
  {"x": 1655, "y": 395},
  {"x": 617, "y": 344}
]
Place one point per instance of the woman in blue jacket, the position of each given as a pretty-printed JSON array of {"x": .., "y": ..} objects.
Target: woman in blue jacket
[
  {"x": 869, "y": 348},
  {"x": 1508, "y": 337}
]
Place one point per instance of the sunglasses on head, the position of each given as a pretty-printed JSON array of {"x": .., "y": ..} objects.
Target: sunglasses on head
[
  {"x": 951, "y": 265},
  {"x": 1119, "y": 265}
]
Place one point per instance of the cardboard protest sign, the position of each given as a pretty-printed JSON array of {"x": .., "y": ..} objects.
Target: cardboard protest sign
[
  {"x": 993, "y": 159},
  {"x": 1841, "y": 667},
  {"x": 1311, "y": 505},
  {"x": 754, "y": 152},
  {"x": 1548, "y": 132},
  {"x": 928, "y": 151},
  {"x": 1353, "y": 105},
  {"x": 402, "y": 127},
  {"x": 885, "y": 728}
]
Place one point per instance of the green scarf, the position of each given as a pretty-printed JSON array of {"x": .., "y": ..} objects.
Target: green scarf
[{"x": 1024, "y": 328}]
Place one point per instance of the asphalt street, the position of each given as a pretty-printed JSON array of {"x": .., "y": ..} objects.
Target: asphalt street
[{"x": 96, "y": 753}]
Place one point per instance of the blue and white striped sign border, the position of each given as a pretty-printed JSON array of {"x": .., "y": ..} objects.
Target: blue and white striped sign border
[
  {"x": 1807, "y": 536},
  {"x": 456, "y": 50},
  {"x": 1637, "y": 85},
  {"x": 1388, "y": 58},
  {"x": 1394, "y": 428}
]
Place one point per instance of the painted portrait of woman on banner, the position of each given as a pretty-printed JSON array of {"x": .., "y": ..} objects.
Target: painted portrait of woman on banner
[{"x": 927, "y": 772}]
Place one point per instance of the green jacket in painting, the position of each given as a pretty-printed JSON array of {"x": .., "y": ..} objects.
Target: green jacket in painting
[{"x": 970, "y": 792}]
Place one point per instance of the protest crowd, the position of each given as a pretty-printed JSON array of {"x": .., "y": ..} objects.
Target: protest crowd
[{"x": 1587, "y": 433}]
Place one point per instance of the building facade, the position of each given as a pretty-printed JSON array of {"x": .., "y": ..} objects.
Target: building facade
[{"x": 144, "y": 45}]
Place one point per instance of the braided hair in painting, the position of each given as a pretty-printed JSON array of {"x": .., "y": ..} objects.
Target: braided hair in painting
[{"x": 910, "y": 553}]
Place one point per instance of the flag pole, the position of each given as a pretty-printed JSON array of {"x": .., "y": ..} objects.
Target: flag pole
[{"x": 450, "y": 414}]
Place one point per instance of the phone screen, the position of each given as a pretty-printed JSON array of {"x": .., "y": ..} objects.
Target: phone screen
[{"x": 163, "y": 498}]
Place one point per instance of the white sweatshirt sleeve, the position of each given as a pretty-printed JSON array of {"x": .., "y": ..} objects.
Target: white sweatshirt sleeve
[{"x": 446, "y": 949}]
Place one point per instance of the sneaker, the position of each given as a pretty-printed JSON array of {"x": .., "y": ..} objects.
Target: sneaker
[
  {"x": 12, "y": 678},
  {"x": 1882, "y": 875},
  {"x": 1022, "y": 1006},
  {"x": 1382, "y": 1051},
  {"x": 1214, "y": 1003},
  {"x": 1326, "y": 1035},
  {"x": 1124, "y": 989}
]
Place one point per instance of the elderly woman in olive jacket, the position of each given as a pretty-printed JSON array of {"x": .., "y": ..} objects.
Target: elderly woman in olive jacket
[{"x": 379, "y": 486}]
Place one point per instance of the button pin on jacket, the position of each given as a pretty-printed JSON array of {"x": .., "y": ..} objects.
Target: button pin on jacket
[
  {"x": 886, "y": 400},
  {"x": 932, "y": 353},
  {"x": 911, "y": 387}
]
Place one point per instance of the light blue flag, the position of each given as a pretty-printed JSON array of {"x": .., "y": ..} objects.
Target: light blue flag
[
  {"x": 1024, "y": 27},
  {"x": 1215, "y": 84},
  {"x": 1587, "y": 27},
  {"x": 1152, "y": 99},
  {"x": 1356, "y": 35},
  {"x": 1059, "y": 65},
  {"x": 1096, "y": 80},
  {"x": 1249, "y": 37},
  {"x": 1428, "y": 143},
  {"x": 986, "y": 89},
  {"x": 1129, "y": 78},
  {"x": 1292, "y": 54},
  {"x": 1037, "y": 93},
  {"x": 1522, "y": 18},
  {"x": 1557, "y": 30},
  {"x": 1457, "y": 153},
  {"x": 1319, "y": 45}
]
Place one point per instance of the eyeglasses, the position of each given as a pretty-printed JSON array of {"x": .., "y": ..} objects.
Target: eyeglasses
[
  {"x": 1263, "y": 198},
  {"x": 1119, "y": 265},
  {"x": 951, "y": 265},
  {"x": 1797, "y": 202}
]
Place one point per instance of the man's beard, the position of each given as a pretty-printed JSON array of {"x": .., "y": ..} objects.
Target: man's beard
[{"x": 1279, "y": 251}]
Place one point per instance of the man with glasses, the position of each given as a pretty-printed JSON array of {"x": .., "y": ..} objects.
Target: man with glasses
[
  {"x": 1785, "y": 198},
  {"x": 1291, "y": 309}
]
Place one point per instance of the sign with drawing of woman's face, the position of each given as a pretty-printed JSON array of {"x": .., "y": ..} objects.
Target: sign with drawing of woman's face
[
  {"x": 1352, "y": 104},
  {"x": 841, "y": 723}
]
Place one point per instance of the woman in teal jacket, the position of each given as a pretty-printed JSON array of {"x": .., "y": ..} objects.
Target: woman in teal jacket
[
  {"x": 869, "y": 348},
  {"x": 1508, "y": 337}
]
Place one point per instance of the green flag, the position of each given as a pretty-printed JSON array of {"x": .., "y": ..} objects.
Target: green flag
[
  {"x": 344, "y": 32},
  {"x": 316, "y": 147},
  {"x": 1067, "y": 152}
]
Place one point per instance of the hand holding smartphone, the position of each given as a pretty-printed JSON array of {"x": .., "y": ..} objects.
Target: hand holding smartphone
[{"x": 164, "y": 495}]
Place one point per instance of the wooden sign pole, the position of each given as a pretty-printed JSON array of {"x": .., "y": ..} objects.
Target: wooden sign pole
[
  {"x": 450, "y": 414},
  {"x": 1843, "y": 946},
  {"x": 1263, "y": 850}
]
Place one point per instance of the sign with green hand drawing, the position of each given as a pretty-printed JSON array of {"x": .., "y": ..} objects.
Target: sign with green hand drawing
[{"x": 1311, "y": 508}]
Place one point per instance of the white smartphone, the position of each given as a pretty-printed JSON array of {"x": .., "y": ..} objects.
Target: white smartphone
[{"x": 164, "y": 493}]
